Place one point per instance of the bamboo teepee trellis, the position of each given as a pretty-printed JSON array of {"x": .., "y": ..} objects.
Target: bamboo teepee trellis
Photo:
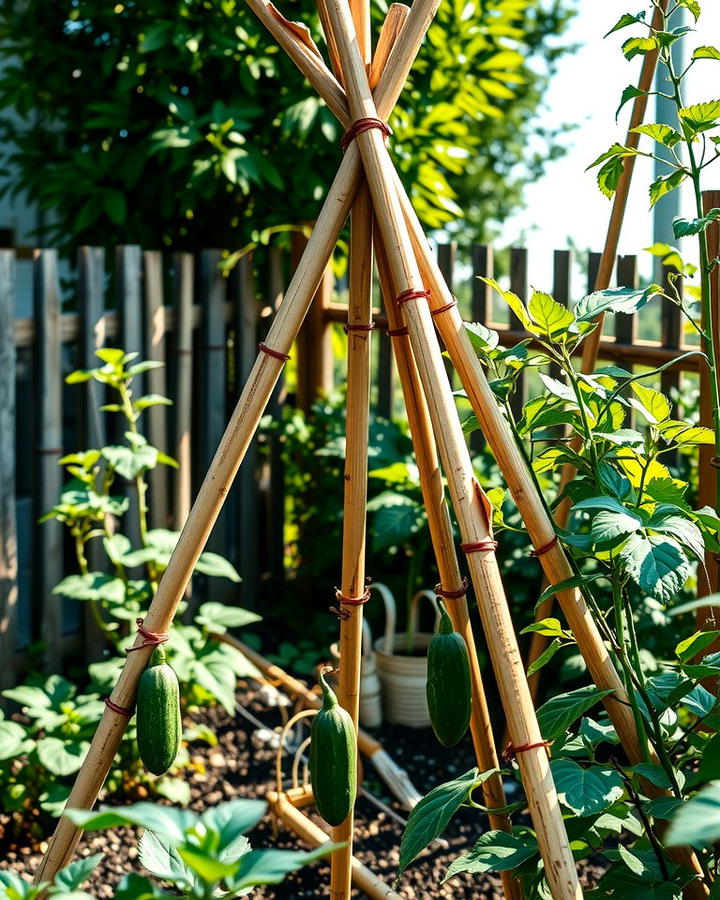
[{"x": 408, "y": 274}]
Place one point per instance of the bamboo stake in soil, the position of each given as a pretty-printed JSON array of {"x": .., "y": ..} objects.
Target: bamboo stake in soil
[
  {"x": 233, "y": 446},
  {"x": 441, "y": 536},
  {"x": 468, "y": 500}
]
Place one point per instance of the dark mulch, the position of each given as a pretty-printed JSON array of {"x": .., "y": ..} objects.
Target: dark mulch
[{"x": 241, "y": 766}]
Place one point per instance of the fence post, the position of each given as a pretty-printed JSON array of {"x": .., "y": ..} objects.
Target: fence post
[
  {"x": 707, "y": 617},
  {"x": 213, "y": 391},
  {"x": 446, "y": 257},
  {"x": 128, "y": 272},
  {"x": 483, "y": 266},
  {"x": 8, "y": 524},
  {"x": 91, "y": 306},
  {"x": 156, "y": 383},
  {"x": 314, "y": 363},
  {"x": 48, "y": 548},
  {"x": 184, "y": 289},
  {"x": 245, "y": 319},
  {"x": 562, "y": 273},
  {"x": 519, "y": 286}
]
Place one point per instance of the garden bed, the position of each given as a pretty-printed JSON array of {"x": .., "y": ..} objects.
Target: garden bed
[{"x": 238, "y": 767}]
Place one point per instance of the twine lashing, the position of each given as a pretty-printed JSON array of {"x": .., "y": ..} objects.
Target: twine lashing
[
  {"x": 361, "y": 125},
  {"x": 150, "y": 638}
]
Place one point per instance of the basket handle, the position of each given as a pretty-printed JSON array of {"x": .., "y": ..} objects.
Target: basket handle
[
  {"x": 415, "y": 612},
  {"x": 390, "y": 613},
  {"x": 367, "y": 646}
]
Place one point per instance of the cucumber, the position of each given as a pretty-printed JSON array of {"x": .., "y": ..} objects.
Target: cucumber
[
  {"x": 333, "y": 759},
  {"x": 159, "y": 725},
  {"x": 449, "y": 688}
]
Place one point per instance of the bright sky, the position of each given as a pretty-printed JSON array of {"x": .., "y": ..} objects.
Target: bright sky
[{"x": 586, "y": 91}]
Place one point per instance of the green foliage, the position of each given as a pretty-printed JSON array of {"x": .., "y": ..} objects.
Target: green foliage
[
  {"x": 45, "y": 745},
  {"x": 636, "y": 542},
  {"x": 117, "y": 122},
  {"x": 66, "y": 885}
]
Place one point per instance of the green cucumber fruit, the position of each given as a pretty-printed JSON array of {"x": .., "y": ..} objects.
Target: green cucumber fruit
[
  {"x": 333, "y": 759},
  {"x": 159, "y": 725},
  {"x": 449, "y": 688}
]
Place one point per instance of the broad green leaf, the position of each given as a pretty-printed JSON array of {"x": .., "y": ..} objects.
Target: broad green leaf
[
  {"x": 210, "y": 869},
  {"x": 515, "y": 304},
  {"x": 494, "y": 851},
  {"x": 625, "y": 20},
  {"x": 568, "y": 584},
  {"x": 664, "y": 185},
  {"x": 430, "y": 817},
  {"x": 663, "y": 134},
  {"x": 626, "y": 300},
  {"x": 545, "y": 657},
  {"x": 693, "y": 6},
  {"x": 696, "y": 643},
  {"x": 558, "y": 714},
  {"x": 482, "y": 338},
  {"x": 697, "y": 821},
  {"x": 217, "y": 566},
  {"x": 609, "y": 527},
  {"x": 552, "y": 317},
  {"x": 397, "y": 518},
  {"x": 272, "y": 866},
  {"x": 61, "y": 757},
  {"x": 586, "y": 791},
  {"x": 682, "y": 433},
  {"x": 13, "y": 740},
  {"x": 630, "y": 93},
  {"x": 706, "y": 53},
  {"x": 548, "y": 627},
  {"x": 653, "y": 405},
  {"x": 232, "y": 819},
  {"x": 662, "y": 807},
  {"x": 166, "y": 821},
  {"x": 680, "y": 528},
  {"x": 639, "y": 46},
  {"x": 74, "y": 875},
  {"x": 218, "y": 617},
  {"x": 656, "y": 564},
  {"x": 700, "y": 117},
  {"x": 596, "y": 732}
]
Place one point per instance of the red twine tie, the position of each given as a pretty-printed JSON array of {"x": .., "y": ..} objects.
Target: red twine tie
[
  {"x": 344, "y": 614},
  {"x": 480, "y": 546},
  {"x": 120, "y": 710},
  {"x": 274, "y": 353},
  {"x": 151, "y": 638},
  {"x": 442, "y": 309},
  {"x": 412, "y": 295},
  {"x": 361, "y": 125},
  {"x": 511, "y": 751},
  {"x": 359, "y": 327},
  {"x": 452, "y": 595},
  {"x": 398, "y": 332},
  {"x": 545, "y": 548}
]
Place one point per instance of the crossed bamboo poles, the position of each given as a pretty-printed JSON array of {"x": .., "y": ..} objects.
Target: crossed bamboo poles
[{"x": 403, "y": 238}]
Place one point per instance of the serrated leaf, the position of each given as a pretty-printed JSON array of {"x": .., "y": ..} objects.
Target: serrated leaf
[
  {"x": 655, "y": 406},
  {"x": 700, "y": 117},
  {"x": 663, "y": 134},
  {"x": 514, "y": 302},
  {"x": 639, "y": 46},
  {"x": 697, "y": 821},
  {"x": 608, "y": 527},
  {"x": 706, "y": 52},
  {"x": 664, "y": 185},
  {"x": 552, "y": 317},
  {"x": 625, "y": 20},
  {"x": 61, "y": 757},
  {"x": 625, "y": 300},
  {"x": 656, "y": 564},
  {"x": 545, "y": 657},
  {"x": 630, "y": 93},
  {"x": 586, "y": 791}
]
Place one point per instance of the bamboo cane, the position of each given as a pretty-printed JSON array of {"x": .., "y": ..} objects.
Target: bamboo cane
[
  {"x": 468, "y": 500},
  {"x": 431, "y": 482},
  {"x": 232, "y": 449},
  {"x": 444, "y": 548},
  {"x": 591, "y": 344},
  {"x": 357, "y": 414}
]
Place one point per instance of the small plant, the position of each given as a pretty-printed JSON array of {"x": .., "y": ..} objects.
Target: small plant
[
  {"x": 46, "y": 742},
  {"x": 201, "y": 856},
  {"x": 636, "y": 542},
  {"x": 66, "y": 885}
]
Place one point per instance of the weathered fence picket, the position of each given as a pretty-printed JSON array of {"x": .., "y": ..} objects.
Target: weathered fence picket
[{"x": 207, "y": 332}]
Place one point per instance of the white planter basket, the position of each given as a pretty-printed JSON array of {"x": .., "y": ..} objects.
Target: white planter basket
[
  {"x": 371, "y": 713},
  {"x": 403, "y": 678}
]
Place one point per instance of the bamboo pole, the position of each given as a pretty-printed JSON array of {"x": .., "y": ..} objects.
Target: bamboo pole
[
  {"x": 441, "y": 535},
  {"x": 232, "y": 449},
  {"x": 591, "y": 344},
  {"x": 468, "y": 501}
]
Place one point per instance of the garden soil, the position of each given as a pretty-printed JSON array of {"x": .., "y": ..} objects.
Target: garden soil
[{"x": 243, "y": 766}]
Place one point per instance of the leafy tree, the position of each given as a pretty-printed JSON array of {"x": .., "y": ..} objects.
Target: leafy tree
[{"x": 181, "y": 123}]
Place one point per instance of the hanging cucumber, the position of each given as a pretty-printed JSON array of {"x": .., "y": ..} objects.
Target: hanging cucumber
[
  {"x": 333, "y": 759},
  {"x": 159, "y": 725},
  {"x": 449, "y": 688}
]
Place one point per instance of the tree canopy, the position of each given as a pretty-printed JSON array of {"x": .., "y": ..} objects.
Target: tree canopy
[{"x": 179, "y": 123}]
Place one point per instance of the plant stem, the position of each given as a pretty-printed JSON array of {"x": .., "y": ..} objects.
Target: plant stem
[{"x": 94, "y": 606}]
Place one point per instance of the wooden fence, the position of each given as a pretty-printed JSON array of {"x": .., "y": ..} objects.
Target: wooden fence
[{"x": 179, "y": 309}]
